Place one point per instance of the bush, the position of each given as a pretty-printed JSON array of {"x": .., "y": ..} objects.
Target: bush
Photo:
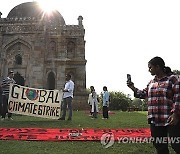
[
  {"x": 119, "y": 101},
  {"x": 139, "y": 103}
]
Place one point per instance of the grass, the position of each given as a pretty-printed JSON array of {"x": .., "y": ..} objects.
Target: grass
[{"x": 80, "y": 120}]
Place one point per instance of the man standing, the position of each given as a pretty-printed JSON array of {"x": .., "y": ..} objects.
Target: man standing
[
  {"x": 0, "y": 100},
  {"x": 90, "y": 99},
  {"x": 5, "y": 95},
  {"x": 105, "y": 103},
  {"x": 67, "y": 98}
]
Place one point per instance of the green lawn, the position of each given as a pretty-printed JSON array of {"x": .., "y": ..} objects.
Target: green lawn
[{"x": 80, "y": 120}]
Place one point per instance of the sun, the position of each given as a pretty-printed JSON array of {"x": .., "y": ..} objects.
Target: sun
[{"x": 48, "y": 6}]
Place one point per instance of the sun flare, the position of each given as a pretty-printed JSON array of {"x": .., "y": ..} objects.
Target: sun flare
[{"x": 48, "y": 5}]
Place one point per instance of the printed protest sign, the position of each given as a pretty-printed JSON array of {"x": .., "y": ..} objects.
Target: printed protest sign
[{"x": 34, "y": 102}]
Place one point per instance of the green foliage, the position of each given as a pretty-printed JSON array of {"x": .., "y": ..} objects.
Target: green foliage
[
  {"x": 176, "y": 72},
  {"x": 88, "y": 90},
  {"x": 144, "y": 105},
  {"x": 136, "y": 103},
  {"x": 140, "y": 104},
  {"x": 119, "y": 101}
]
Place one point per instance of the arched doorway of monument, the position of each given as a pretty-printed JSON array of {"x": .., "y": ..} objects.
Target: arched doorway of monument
[
  {"x": 19, "y": 79},
  {"x": 51, "y": 81}
]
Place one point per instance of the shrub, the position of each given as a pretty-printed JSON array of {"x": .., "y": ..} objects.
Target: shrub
[{"x": 119, "y": 101}]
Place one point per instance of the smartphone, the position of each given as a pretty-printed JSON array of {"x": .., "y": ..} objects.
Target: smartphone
[{"x": 128, "y": 77}]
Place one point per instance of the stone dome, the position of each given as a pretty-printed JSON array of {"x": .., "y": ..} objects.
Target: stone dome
[{"x": 33, "y": 10}]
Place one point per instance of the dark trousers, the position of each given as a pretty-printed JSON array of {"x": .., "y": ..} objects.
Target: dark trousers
[
  {"x": 94, "y": 113},
  {"x": 90, "y": 109},
  {"x": 105, "y": 112},
  {"x": 0, "y": 104},
  {"x": 171, "y": 131},
  {"x": 67, "y": 102},
  {"x": 5, "y": 107}
]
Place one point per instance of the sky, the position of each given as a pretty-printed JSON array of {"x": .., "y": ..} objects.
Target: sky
[{"x": 121, "y": 37}]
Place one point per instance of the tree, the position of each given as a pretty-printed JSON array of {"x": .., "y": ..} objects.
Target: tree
[
  {"x": 136, "y": 103},
  {"x": 176, "y": 72},
  {"x": 144, "y": 105},
  {"x": 119, "y": 101},
  {"x": 141, "y": 104}
]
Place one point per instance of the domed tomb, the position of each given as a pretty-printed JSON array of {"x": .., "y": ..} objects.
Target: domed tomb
[{"x": 31, "y": 10}]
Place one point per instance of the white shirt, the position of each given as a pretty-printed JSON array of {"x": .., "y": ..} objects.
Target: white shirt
[
  {"x": 69, "y": 86},
  {"x": 90, "y": 99},
  {"x": 94, "y": 102}
]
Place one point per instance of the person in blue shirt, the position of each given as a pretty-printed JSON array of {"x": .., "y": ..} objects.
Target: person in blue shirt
[{"x": 105, "y": 103}]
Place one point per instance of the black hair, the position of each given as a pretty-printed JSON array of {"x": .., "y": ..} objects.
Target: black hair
[
  {"x": 92, "y": 87},
  {"x": 69, "y": 75},
  {"x": 168, "y": 70},
  {"x": 105, "y": 88},
  {"x": 157, "y": 61},
  {"x": 10, "y": 72}
]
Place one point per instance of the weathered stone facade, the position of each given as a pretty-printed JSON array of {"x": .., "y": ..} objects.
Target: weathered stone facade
[{"x": 40, "y": 48}]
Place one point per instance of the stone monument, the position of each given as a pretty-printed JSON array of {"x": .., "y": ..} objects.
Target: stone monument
[{"x": 41, "y": 49}]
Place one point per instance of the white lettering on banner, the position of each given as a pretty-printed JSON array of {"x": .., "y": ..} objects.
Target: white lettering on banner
[{"x": 34, "y": 102}]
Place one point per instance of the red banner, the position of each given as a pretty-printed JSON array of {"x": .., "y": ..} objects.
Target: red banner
[{"x": 65, "y": 134}]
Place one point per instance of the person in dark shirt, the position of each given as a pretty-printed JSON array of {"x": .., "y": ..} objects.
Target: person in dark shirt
[
  {"x": 0, "y": 101},
  {"x": 5, "y": 94}
]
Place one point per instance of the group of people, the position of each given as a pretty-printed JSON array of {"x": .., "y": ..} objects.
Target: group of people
[
  {"x": 163, "y": 99},
  {"x": 93, "y": 101},
  {"x": 162, "y": 94},
  {"x": 66, "y": 100},
  {"x": 4, "y": 95}
]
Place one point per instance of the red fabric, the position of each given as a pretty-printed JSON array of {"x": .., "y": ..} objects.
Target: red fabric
[{"x": 65, "y": 134}]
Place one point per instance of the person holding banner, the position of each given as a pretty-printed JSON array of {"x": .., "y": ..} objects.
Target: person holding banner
[
  {"x": 5, "y": 95},
  {"x": 0, "y": 101},
  {"x": 67, "y": 98}
]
